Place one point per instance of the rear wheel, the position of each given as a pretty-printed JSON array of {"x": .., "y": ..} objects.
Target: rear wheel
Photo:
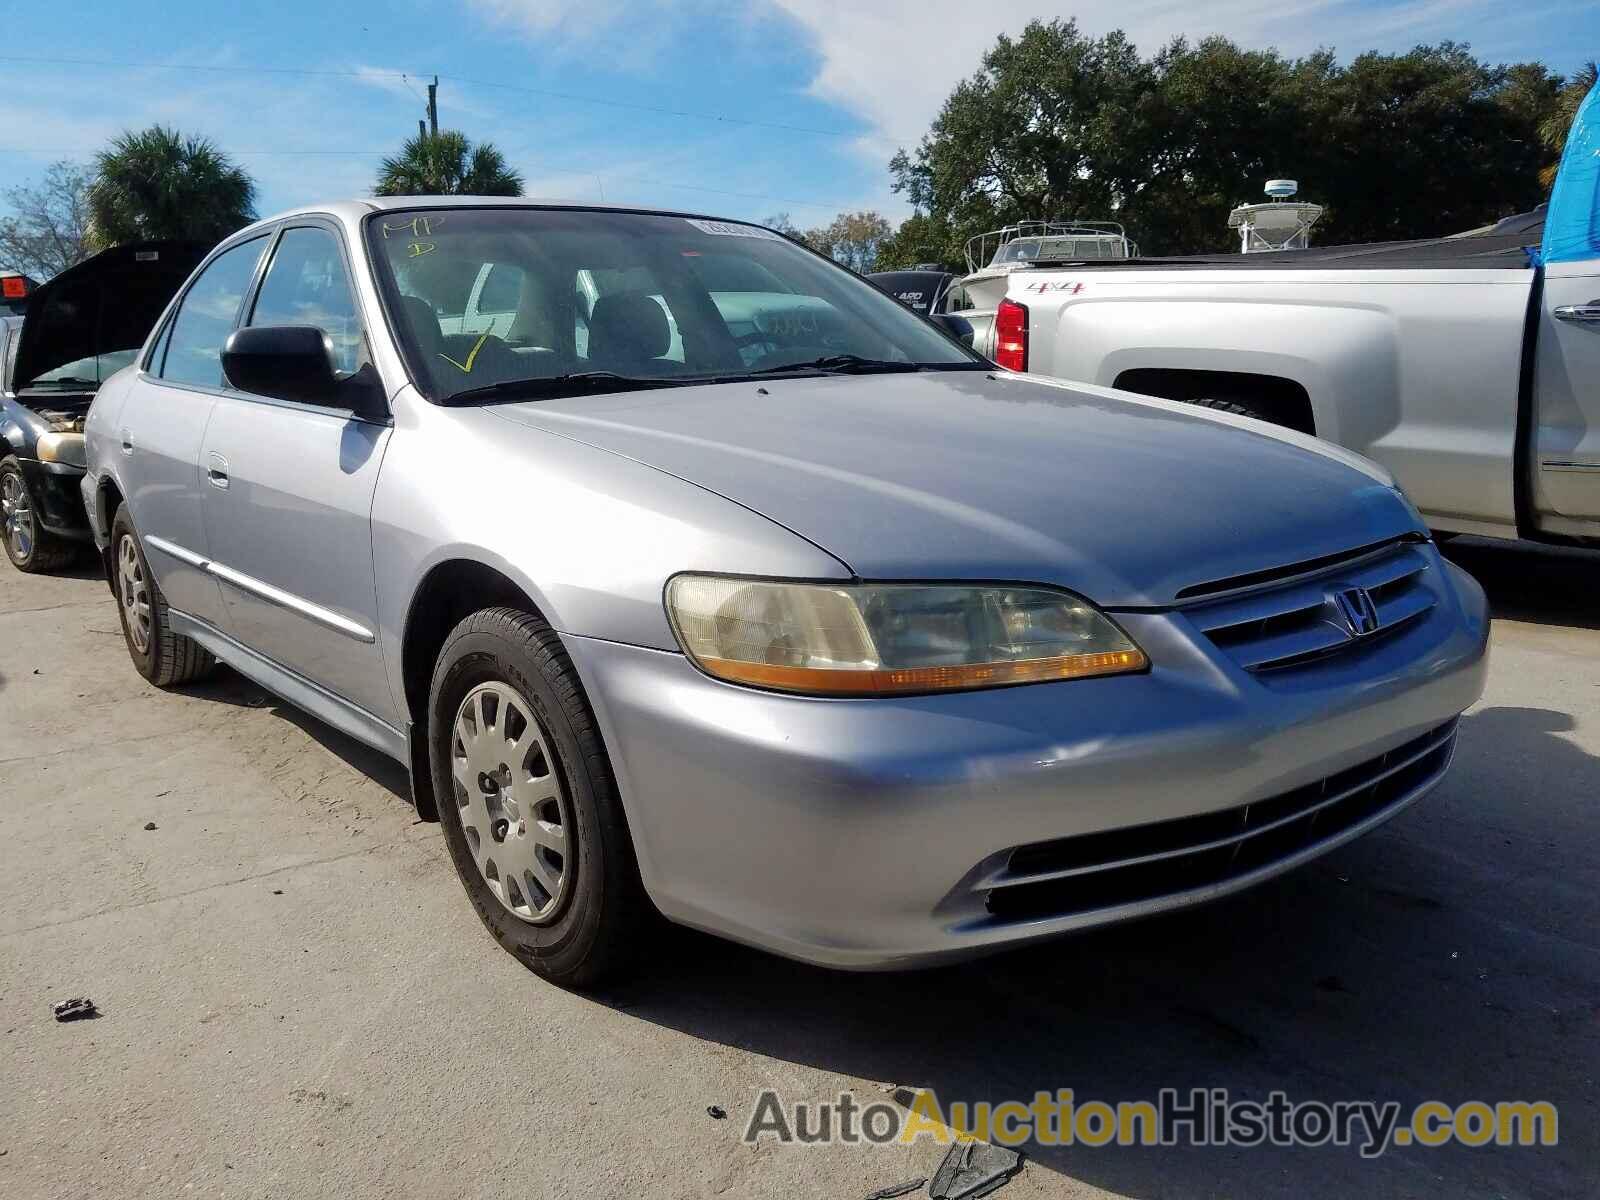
[
  {"x": 1239, "y": 408},
  {"x": 161, "y": 656},
  {"x": 30, "y": 547},
  {"x": 528, "y": 803}
]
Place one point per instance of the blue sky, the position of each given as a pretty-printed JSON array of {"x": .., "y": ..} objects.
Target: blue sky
[{"x": 772, "y": 105}]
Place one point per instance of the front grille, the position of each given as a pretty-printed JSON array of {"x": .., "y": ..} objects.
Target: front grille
[
  {"x": 1298, "y": 623},
  {"x": 1146, "y": 862}
]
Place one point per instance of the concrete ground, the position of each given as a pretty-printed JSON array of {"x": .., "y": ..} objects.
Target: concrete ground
[{"x": 297, "y": 999}]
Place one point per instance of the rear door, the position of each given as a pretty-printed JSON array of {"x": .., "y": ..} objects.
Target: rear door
[
  {"x": 1567, "y": 398},
  {"x": 288, "y": 491},
  {"x": 163, "y": 422},
  {"x": 1566, "y": 381}
]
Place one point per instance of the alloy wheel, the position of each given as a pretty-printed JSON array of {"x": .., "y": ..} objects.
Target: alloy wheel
[
  {"x": 17, "y": 515},
  {"x": 134, "y": 592},
  {"x": 513, "y": 807}
]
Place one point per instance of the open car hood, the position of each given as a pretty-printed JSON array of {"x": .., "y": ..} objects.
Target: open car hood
[{"x": 105, "y": 303}]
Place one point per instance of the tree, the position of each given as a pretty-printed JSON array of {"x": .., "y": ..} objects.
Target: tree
[
  {"x": 50, "y": 229},
  {"x": 1553, "y": 128},
  {"x": 159, "y": 183},
  {"x": 780, "y": 223},
  {"x": 447, "y": 164},
  {"x": 920, "y": 239},
  {"x": 852, "y": 239},
  {"x": 1061, "y": 126}
]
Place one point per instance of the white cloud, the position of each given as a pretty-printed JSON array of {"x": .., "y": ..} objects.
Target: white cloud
[
  {"x": 892, "y": 62},
  {"x": 936, "y": 43}
]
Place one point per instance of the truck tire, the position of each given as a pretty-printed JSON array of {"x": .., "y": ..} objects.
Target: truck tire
[
  {"x": 161, "y": 656},
  {"x": 30, "y": 548},
  {"x": 528, "y": 802},
  {"x": 1239, "y": 408}
]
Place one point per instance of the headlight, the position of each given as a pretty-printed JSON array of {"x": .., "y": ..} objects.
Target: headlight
[
  {"x": 61, "y": 448},
  {"x": 884, "y": 639}
]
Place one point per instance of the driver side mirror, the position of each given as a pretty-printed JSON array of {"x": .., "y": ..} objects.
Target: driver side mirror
[
  {"x": 294, "y": 362},
  {"x": 957, "y": 327}
]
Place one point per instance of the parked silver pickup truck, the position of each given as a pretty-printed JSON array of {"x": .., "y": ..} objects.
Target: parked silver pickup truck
[{"x": 1468, "y": 366}]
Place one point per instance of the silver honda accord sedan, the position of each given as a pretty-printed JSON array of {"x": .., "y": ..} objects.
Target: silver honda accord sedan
[{"x": 692, "y": 576}]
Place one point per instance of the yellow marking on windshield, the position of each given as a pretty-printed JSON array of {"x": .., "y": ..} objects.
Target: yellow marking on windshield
[
  {"x": 417, "y": 227},
  {"x": 467, "y": 367}
]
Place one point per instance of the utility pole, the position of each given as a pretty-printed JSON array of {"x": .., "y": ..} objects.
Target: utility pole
[
  {"x": 422, "y": 129},
  {"x": 433, "y": 106}
]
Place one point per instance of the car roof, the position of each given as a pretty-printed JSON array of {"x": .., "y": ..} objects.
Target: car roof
[{"x": 353, "y": 210}]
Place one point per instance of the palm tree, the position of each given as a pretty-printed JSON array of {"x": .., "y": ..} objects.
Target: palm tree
[
  {"x": 447, "y": 164},
  {"x": 1553, "y": 129},
  {"x": 159, "y": 183}
]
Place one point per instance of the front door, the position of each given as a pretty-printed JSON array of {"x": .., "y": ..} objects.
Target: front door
[{"x": 288, "y": 494}]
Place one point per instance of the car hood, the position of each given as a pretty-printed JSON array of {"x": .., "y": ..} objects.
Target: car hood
[
  {"x": 106, "y": 303},
  {"x": 963, "y": 475}
]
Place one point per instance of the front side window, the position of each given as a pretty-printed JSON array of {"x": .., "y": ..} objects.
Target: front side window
[
  {"x": 624, "y": 299},
  {"x": 501, "y": 287},
  {"x": 206, "y": 317},
  {"x": 306, "y": 284}
]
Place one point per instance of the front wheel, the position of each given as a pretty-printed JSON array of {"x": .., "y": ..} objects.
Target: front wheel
[
  {"x": 528, "y": 803},
  {"x": 30, "y": 548}
]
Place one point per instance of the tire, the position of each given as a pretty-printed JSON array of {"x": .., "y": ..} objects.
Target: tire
[
  {"x": 161, "y": 656},
  {"x": 573, "y": 909},
  {"x": 1239, "y": 408},
  {"x": 31, "y": 549}
]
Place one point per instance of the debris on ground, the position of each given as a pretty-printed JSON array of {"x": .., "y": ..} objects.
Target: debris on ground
[
  {"x": 75, "y": 1009},
  {"x": 897, "y": 1189},
  {"x": 149, "y": 824},
  {"x": 716, "y": 1112},
  {"x": 973, "y": 1169}
]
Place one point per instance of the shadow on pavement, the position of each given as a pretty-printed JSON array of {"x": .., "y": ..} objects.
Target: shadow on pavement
[
  {"x": 227, "y": 686},
  {"x": 1546, "y": 585},
  {"x": 1452, "y": 954}
]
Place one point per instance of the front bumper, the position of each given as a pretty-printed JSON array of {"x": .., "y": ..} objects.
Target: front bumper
[
  {"x": 57, "y": 497},
  {"x": 866, "y": 833}
]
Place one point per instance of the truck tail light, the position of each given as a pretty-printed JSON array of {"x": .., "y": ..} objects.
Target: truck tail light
[
  {"x": 1011, "y": 336},
  {"x": 13, "y": 287}
]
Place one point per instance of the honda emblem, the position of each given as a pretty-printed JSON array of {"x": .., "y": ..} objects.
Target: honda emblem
[{"x": 1356, "y": 610}]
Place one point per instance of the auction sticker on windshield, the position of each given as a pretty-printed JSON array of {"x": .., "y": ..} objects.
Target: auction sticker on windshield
[{"x": 732, "y": 229}]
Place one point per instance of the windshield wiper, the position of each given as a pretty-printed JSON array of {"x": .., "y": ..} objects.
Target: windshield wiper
[
  {"x": 843, "y": 364},
  {"x": 574, "y": 383}
]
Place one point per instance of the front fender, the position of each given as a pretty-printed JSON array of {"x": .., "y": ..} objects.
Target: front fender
[{"x": 590, "y": 536}]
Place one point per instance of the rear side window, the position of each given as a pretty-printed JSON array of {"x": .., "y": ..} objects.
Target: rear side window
[
  {"x": 307, "y": 285},
  {"x": 206, "y": 317}
]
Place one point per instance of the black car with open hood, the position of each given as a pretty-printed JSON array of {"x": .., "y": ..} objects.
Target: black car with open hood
[{"x": 77, "y": 330}]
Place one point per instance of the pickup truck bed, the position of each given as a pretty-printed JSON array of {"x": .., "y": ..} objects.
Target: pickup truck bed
[{"x": 1466, "y": 365}]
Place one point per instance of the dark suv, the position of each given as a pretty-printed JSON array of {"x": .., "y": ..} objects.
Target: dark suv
[{"x": 76, "y": 331}]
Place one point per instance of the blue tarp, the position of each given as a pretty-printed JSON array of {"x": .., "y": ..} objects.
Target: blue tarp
[{"x": 1572, "y": 228}]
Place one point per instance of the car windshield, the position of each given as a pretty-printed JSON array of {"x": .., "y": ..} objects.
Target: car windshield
[
  {"x": 571, "y": 301},
  {"x": 80, "y": 372}
]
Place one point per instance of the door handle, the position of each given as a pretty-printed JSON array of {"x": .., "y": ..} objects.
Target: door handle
[
  {"x": 127, "y": 442},
  {"x": 217, "y": 471},
  {"x": 1580, "y": 314}
]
